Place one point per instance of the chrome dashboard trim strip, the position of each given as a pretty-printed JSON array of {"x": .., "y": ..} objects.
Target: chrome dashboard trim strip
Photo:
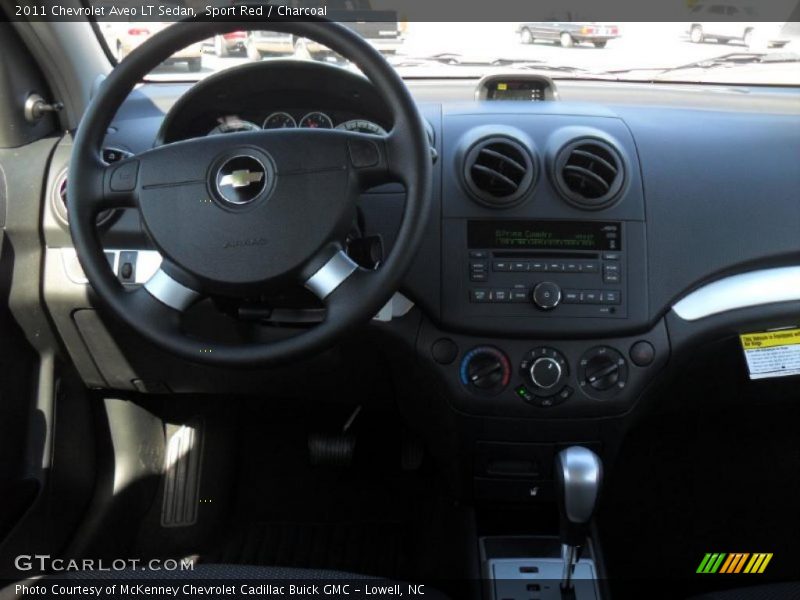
[{"x": 755, "y": 288}]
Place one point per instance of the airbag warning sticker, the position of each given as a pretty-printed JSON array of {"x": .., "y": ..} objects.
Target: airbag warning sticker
[{"x": 772, "y": 353}]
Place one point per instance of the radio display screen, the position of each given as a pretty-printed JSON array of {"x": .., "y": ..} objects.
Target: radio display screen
[{"x": 544, "y": 235}]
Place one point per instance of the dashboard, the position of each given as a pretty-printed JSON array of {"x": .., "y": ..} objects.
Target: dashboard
[
  {"x": 566, "y": 236},
  {"x": 287, "y": 94}
]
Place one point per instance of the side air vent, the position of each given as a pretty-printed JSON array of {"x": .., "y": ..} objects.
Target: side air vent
[
  {"x": 110, "y": 155},
  {"x": 589, "y": 173},
  {"x": 60, "y": 202},
  {"x": 499, "y": 171}
]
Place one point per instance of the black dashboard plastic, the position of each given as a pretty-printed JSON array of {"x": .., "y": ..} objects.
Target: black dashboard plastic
[
  {"x": 253, "y": 91},
  {"x": 708, "y": 192}
]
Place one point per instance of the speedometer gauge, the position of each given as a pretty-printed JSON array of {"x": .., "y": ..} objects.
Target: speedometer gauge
[
  {"x": 233, "y": 125},
  {"x": 362, "y": 126},
  {"x": 316, "y": 120},
  {"x": 280, "y": 120}
]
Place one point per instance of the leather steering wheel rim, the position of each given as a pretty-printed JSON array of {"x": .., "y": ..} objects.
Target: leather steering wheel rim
[{"x": 352, "y": 298}]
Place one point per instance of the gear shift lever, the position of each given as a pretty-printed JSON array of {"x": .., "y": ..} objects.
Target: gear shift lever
[{"x": 578, "y": 473}]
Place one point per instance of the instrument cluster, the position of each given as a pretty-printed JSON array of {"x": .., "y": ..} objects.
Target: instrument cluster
[{"x": 314, "y": 119}]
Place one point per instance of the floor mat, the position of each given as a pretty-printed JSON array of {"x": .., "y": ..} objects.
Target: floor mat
[
  {"x": 373, "y": 518},
  {"x": 371, "y": 549},
  {"x": 717, "y": 473}
]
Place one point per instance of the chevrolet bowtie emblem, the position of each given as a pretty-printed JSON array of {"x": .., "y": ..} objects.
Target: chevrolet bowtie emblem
[{"x": 241, "y": 178}]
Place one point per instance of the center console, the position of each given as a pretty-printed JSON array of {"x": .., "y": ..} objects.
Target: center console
[
  {"x": 543, "y": 342},
  {"x": 544, "y": 267},
  {"x": 530, "y": 568}
]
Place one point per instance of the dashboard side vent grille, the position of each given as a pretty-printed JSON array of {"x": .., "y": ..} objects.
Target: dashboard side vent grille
[
  {"x": 60, "y": 202},
  {"x": 589, "y": 173},
  {"x": 499, "y": 171},
  {"x": 110, "y": 155}
]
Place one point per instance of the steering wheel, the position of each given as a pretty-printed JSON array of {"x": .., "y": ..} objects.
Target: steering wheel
[{"x": 237, "y": 215}]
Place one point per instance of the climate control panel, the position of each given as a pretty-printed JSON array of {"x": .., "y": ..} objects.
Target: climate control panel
[{"x": 555, "y": 378}]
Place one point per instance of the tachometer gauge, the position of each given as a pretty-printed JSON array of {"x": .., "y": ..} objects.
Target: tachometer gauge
[
  {"x": 362, "y": 126},
  {"x": 280, "y": 120},
  {"x": 233, "y": 125},
  {"x": 316, "y": 120}
]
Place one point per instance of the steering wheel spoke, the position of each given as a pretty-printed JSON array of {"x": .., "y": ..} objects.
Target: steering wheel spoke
[
  {"x": 333, "y": 272},
  {"x": 170, "y": 292}
]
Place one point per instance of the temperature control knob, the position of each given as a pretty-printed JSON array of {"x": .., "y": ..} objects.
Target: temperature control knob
[
  {"x": 546, "y": 295},
  {"x": 485, "y": 369}
]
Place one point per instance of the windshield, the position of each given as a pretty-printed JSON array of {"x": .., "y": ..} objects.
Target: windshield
[{"x": 702, "y": 51}]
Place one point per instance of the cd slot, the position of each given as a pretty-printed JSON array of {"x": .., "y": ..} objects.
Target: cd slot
[{"x": 544, "y": 254}]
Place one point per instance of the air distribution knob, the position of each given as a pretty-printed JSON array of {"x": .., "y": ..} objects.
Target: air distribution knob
[
  {"x": 546, "y": 295},
  {"x": 602, "y": 372}
]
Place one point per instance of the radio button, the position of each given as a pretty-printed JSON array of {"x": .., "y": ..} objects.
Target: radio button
[
  {"x": 479, "y": 295},
  {"x": 499, "y": 295},
  {"x": 479, "y": 276},
  {"x": 538, "y": 267},
  {"x": 478, "y": 267},
  {"x": 590, "y": 297},
  {"x": 546, "y": 295},
  {"x": 611, "y": 273},
  {"x": 501, "y": 265},
  {"x": 572, "y": 296},
  {"x": 520, "y": 295}
]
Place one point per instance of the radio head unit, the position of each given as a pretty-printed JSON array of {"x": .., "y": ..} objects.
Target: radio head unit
[{"x": 546, "y": 267}]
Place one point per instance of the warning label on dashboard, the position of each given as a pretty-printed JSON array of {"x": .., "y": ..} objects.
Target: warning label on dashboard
[{"x": 772, "y": 353}]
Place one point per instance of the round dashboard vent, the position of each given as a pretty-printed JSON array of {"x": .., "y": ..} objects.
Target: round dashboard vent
[
  {"x": 499, "y": 171},
  {"x": 110, "y": 156},
  {"x": 60, "y": 202},
  {"x": 589, "y": 173}
]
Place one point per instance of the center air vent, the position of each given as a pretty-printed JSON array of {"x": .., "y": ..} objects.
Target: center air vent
[
  {"x": 499, "y": 171},
  {"x": 589, "y": 173}
]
